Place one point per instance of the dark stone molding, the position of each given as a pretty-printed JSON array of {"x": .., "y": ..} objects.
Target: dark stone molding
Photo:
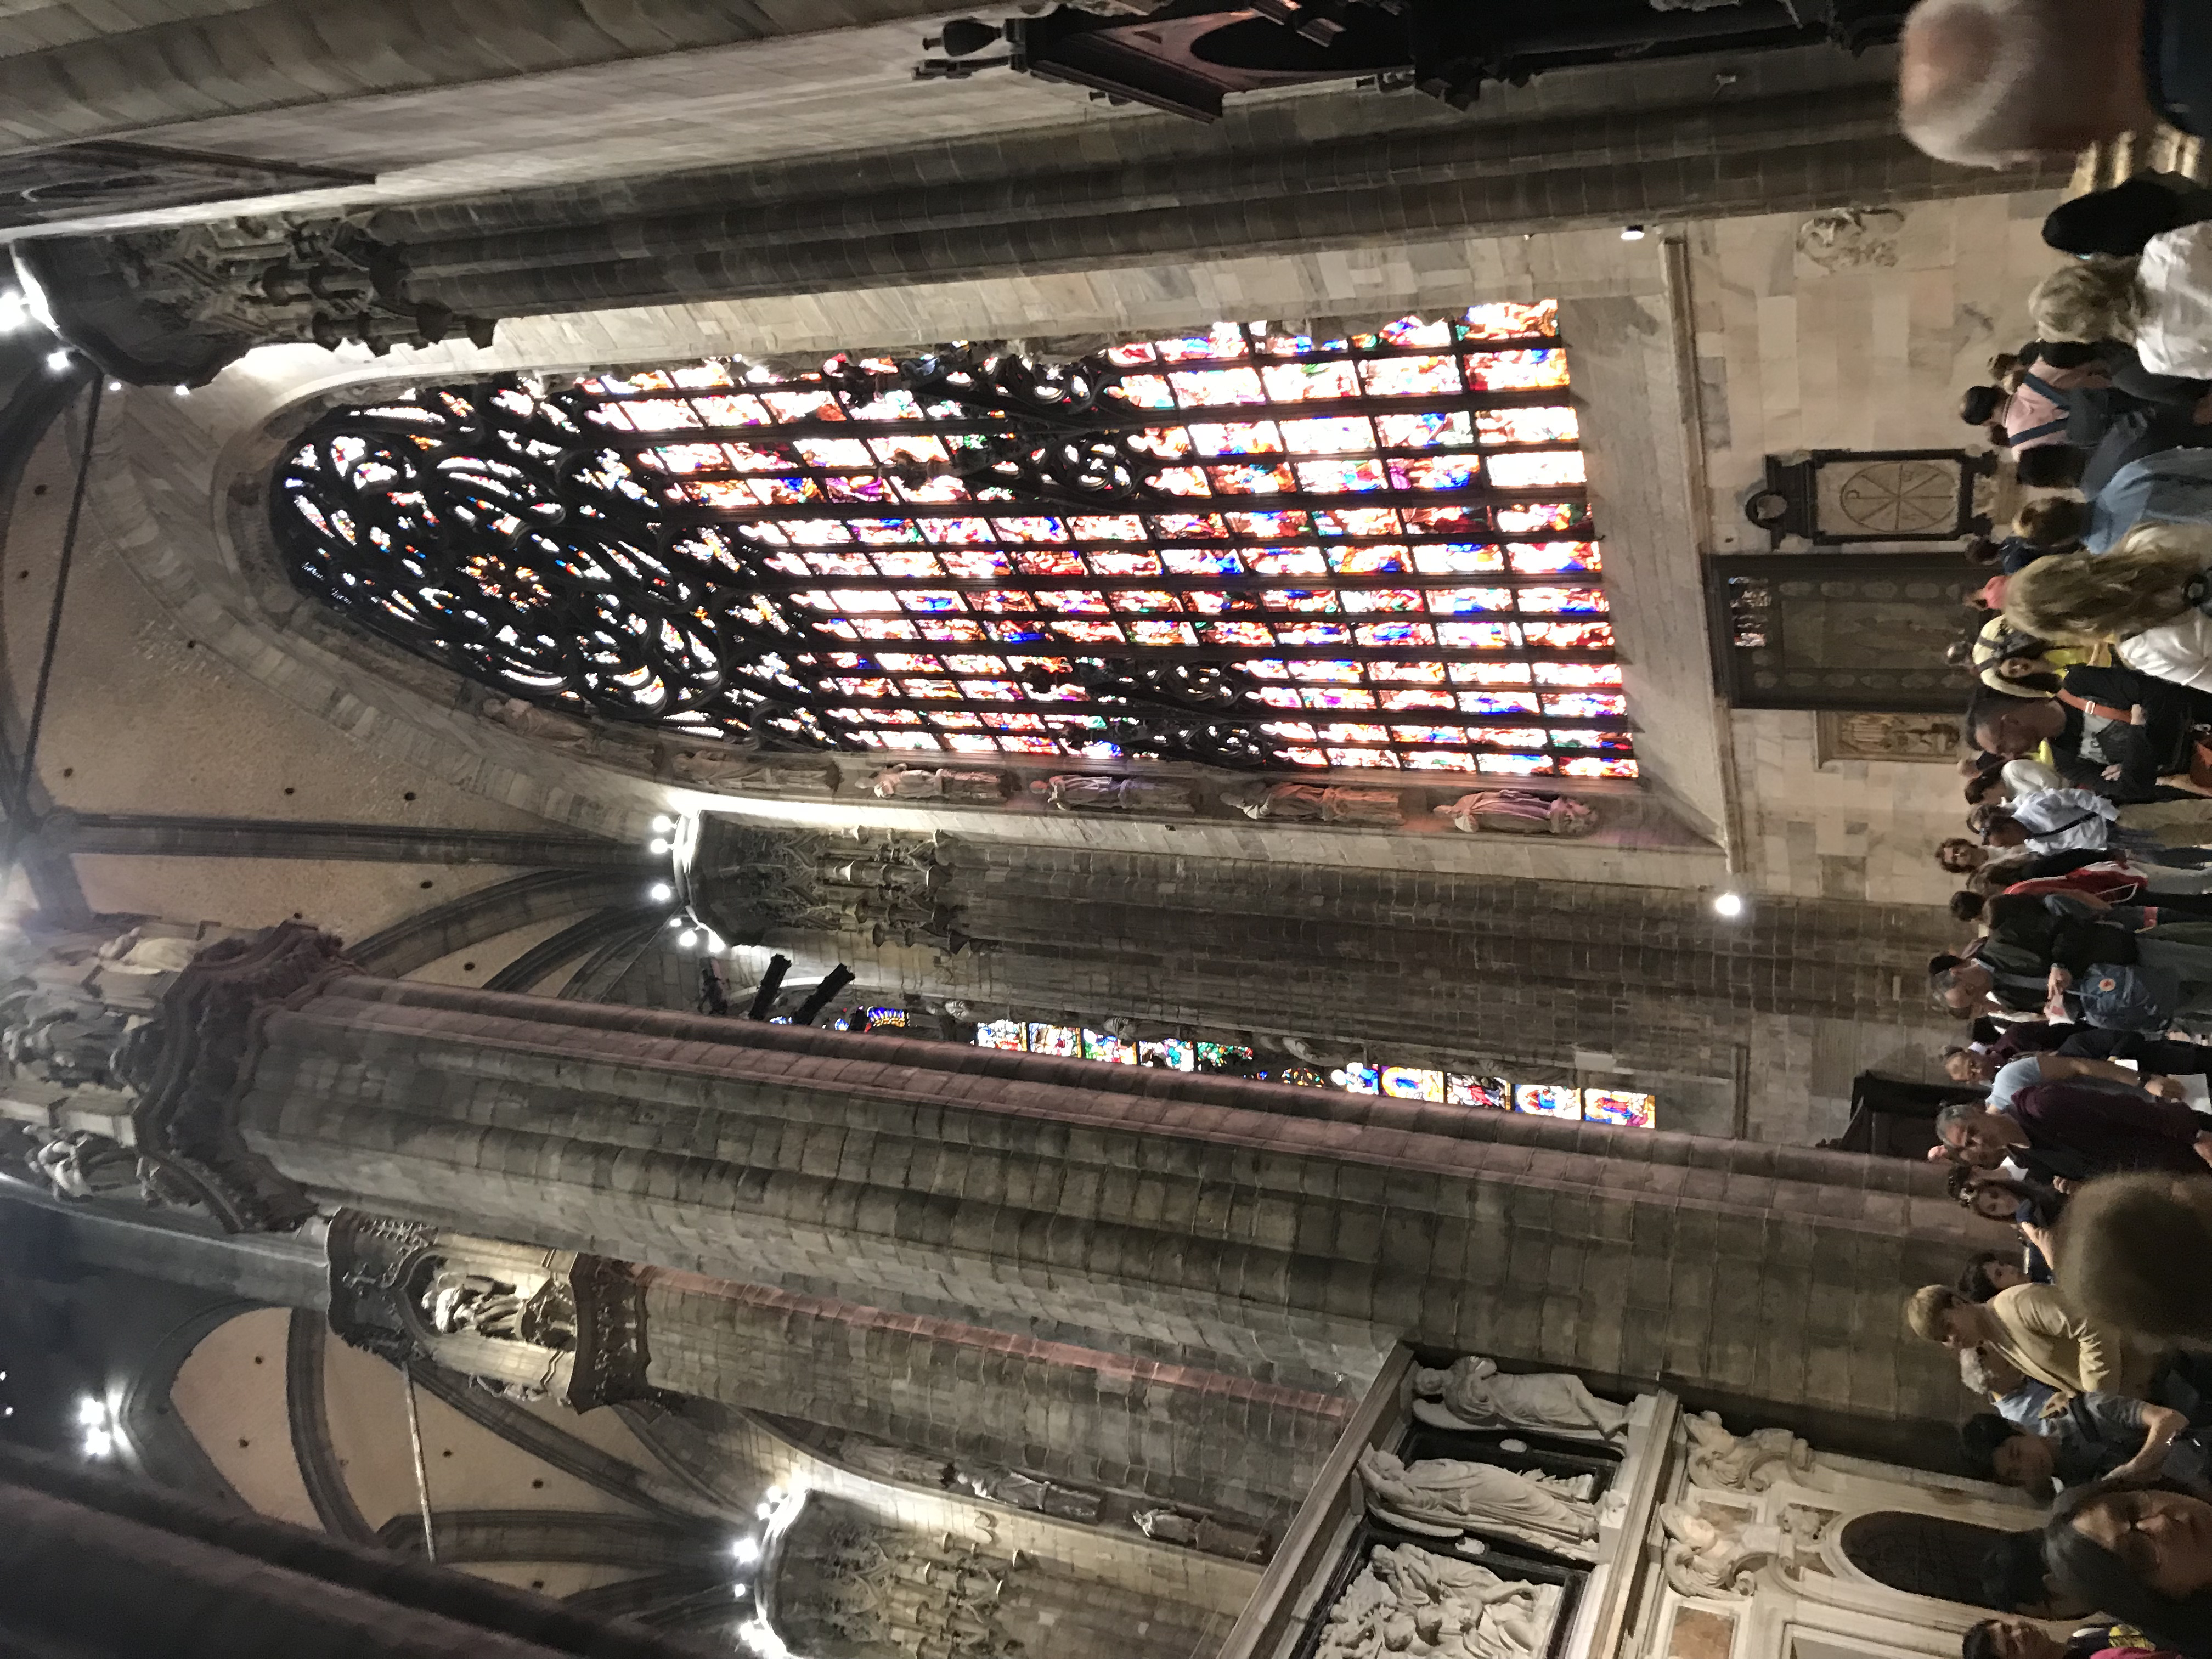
[
  {"x": 159, "y": 304},
  {"x": 145, "y": 834},
  {"x": 486, "y": 913},
  {"x": 613, "y": 1353},
  {"x": 371, "y": 1258},
  {"x": 113, "y": 176},
  {"x": 188, "y": 1067},
  {"x": 636, "y": 1541},
  {"x": 307, "y": 1413},
  {"x": 100, "y": 1566}
]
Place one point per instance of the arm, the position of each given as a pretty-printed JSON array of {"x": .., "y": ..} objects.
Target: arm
[
  {"x": 2097, "y": 1355},
  {"x": 2160, "y": 1425},
  {"x": 2064, "y": 1068}
]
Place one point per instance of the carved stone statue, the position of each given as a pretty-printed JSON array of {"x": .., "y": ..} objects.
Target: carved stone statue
[
  {"x": 1073, "y": 791},
  {"x": 1304, "y": 803},
  {"x": 78, "y": 1165},
  {"x": 1024, "y": 1491},
  {"x": 1520, "y": 812},
  {"x": 1708, "y": 1556},
  {"x": 539, "y": 725},
  {"x": 1445, "y": 1496},
  {"x": 1202, "y": 1532},
  {"x": 883, "y": 1462},
  {"x": 134, "y": 953},
  {"x": 1750, "y": 1463},
  {"x": 1167, "y": 1525},
  {"x": 472, "y": 1302},
  {"x": 1474, "y": 1394},
  {"x": 940, "y": 783},
  {"x": 1410, "y": 1604},
  {"x": 62, "y": 1038}
]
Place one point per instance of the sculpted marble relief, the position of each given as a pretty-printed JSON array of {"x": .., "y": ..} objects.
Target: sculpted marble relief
[
  {"x": 1407, "y": 1601},
  {"x": 1304, "y": 803},
  {"x": 1446, "y": 1497},
  {"x": 1073, "y": 791},
  {"x": 1749, "y": 1463},
  {"x": 1474, "y": 1394},
  {"x": 1521, "y": 812},
  {"x": 1714, "y": 1550}
]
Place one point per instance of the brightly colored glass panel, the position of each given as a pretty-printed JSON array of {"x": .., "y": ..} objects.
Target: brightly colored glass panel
[
  {"x": 1620, "y": 1108},
  {"x": 1187, "y": 547}
]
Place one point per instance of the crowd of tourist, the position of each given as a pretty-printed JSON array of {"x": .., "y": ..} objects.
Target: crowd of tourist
[{"x": 2089, "y": 808}]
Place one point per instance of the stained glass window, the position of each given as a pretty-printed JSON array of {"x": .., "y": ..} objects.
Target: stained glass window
[
  {"x": 1244, "y": 545},
  {"x": 1624, "y": 1109}
]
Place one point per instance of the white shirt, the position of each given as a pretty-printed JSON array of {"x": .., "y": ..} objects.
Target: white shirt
[
  {"x": 2181, "y": 651},
  {"x": 2065, "y": 820},
  {"x": 2176, "y": 273}
]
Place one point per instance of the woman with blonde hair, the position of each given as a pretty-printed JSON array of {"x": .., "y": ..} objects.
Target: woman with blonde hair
[
  {"x": 2144, "y": 595},
  {"x": 2161, "y": 302}
]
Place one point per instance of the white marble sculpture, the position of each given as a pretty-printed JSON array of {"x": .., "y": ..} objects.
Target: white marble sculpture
[
  {"x": 1519, "y": 811},
  {"x": 1073, "y": 791},
  {"x": 1445, "y": 1498},
  {"x": 541, "y": 725},
  {"x": 940, "y": 783},
  {"x": 1410, "y": 1604},
  {"x": 1748, "y": 1463},
  {"x": 1474, "y": 1394},
  {"x": 1710, "y": 1556},
  {"x": 1306, "y": 803}
]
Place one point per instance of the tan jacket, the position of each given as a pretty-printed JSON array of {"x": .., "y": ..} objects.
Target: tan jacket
[{"x": 2052, "y": 1343}]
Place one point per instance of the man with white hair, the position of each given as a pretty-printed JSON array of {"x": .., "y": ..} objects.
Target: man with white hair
[{"x": 2001, "y": 83}]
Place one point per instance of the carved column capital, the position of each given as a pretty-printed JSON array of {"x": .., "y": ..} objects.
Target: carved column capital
[
  {"x": 187, "y": 1064},
  {"x": 176, "y": 303}
]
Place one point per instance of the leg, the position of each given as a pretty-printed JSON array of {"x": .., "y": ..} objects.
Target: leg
[
  {"x": 2167, "y": 880},
  {"x": 2177, "y": 823},
  {"x": 2181, "y": 906}
]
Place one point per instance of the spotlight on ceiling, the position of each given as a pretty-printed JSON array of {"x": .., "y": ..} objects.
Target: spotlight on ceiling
[
  {"x": 660, "y": 892},
  {"x": 663, "y": 824},
  {"x": 115, "y": 385},
  {"x": 184, "y": 392},
  {"x": 687, "y": 939},
  {"x": 57, "y": 363},
  {"x": 658, "y": 844},
  {"x": 747, "y": 1550},
  {"x": 1730, "y": 906},
  {"x": 1632, "y": 232}
]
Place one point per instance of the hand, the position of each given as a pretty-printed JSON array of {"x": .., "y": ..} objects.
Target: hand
[
  {"x": 2145, "y": 1464},
  {"x": 2064, "y": 1187},
  {"x": 2138, "y": 716},
  {"x": 2111, "y": 775},
  {"x": 2057, "y": 980},
  {"x": 2164, "y": 1087}
]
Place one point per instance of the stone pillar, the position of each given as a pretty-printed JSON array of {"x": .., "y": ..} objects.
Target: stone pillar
[
  {"x": 1235, "y": 1227},
  {"x": 1015, "y": 1219}
]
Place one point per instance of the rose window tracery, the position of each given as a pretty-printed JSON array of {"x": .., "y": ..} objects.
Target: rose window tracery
[{"x": 1245, "y": 547}]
